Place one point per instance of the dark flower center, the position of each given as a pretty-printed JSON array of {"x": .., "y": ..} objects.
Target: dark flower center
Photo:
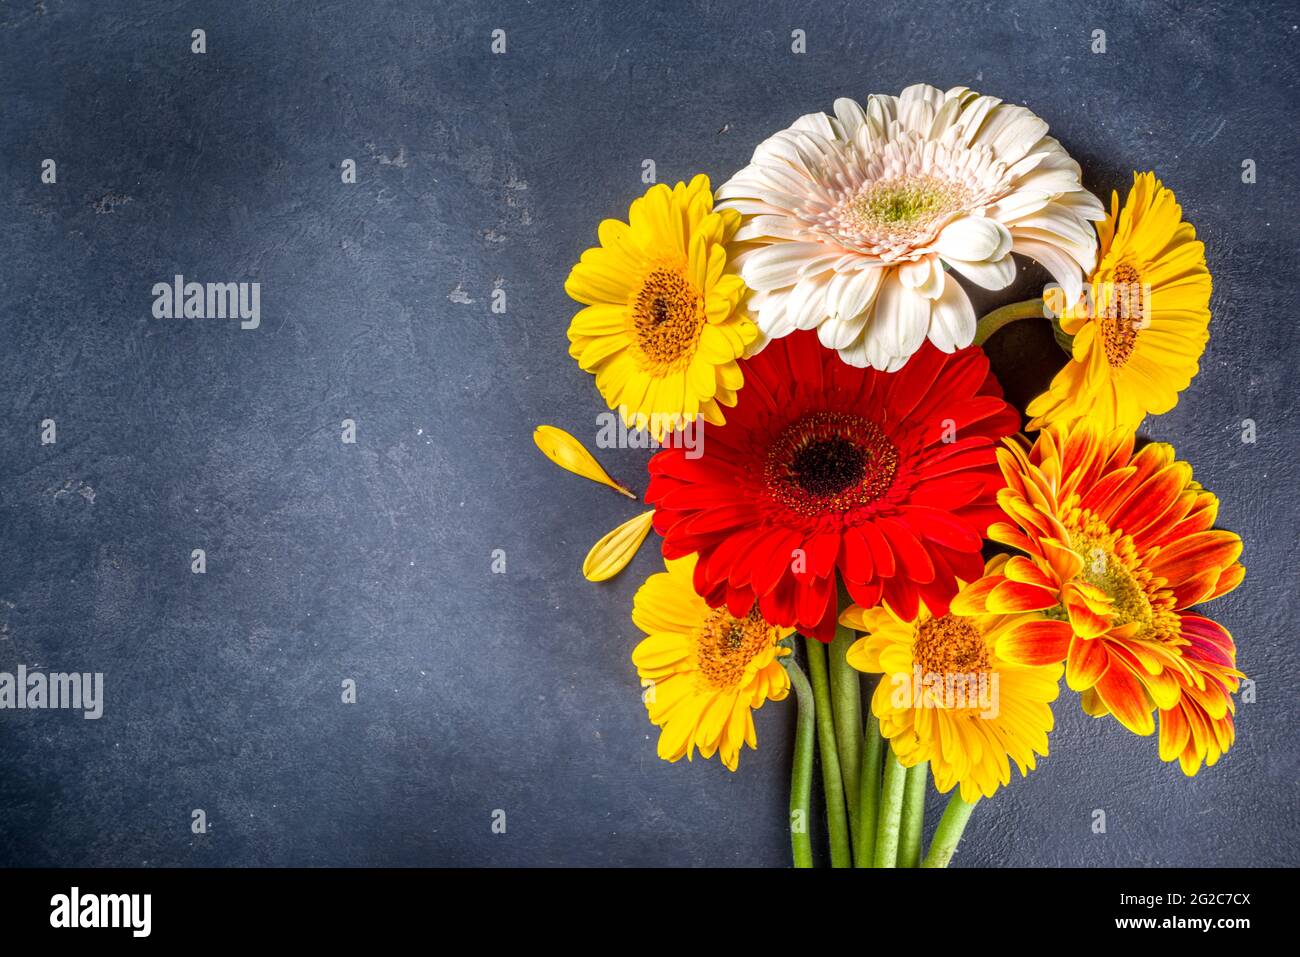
[
  {"x": 830, "y": 462},
  {"x": 828, "y": 466}
]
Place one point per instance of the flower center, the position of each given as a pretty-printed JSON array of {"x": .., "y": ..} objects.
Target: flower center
[
  {"x": 1124, "y": 315},
  {"x": 725, "y": 646},
  {"x": 1111, "y": 563},
  {"x": 830, "y": 462},
  {"x": 828, "y": 466},
  {"x": 906, "y": 209},
  {"x": 667, "y": 313},
  {"x": 950, "y": 646}
]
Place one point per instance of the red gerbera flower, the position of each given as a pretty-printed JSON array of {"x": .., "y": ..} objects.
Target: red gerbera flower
[{"x": 891, "y": 478}]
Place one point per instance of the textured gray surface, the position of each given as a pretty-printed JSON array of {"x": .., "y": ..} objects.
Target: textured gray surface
[{"x": 371, "y": 561}]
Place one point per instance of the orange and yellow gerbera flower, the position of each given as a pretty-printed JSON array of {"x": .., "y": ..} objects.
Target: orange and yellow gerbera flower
[
  {"x": 706, "y": 670},
  {"x": 948, "y": 696},
  {"x": 1118, "y": 545},
  {"x": 1139, "y": 334},
  {"x": 662, "y": 332}
]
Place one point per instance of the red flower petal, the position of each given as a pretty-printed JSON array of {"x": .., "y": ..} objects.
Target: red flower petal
[{"x": 913, "y": 558}]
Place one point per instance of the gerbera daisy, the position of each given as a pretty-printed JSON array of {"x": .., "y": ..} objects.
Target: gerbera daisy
[
  {"x": 707, "y": 671},
  {"x": 1139, "y": 335},
  {"x": 855, "y": 217},
  {"x": 889, "y": 478},
  {"x": 948, "y": 697},
  {"x": 661, "y": 330},
  {"x": 1117, "y": 547}
]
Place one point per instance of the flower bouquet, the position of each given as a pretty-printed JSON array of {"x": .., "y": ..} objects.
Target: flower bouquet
[{"x": 842, "y": 488}]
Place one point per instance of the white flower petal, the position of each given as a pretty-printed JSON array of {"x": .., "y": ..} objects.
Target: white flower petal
[
  {"x": 902, "y": 318},
  {"x": 973, "y": 238},
  {"x": 1055, "y": 221},
  {"x": 855, "y": 353},
  {"x": 952, "y": 318},
  {"x": 815, "y": 308},
  {"x": 777, "y": 266},
  {"x": 1083, "y": 203},
  {"x": 849, "y": 113},
  {"x": 991, "y": 275},
  {"x": 818, "y": 123},
  {"x": 973, "y": 115},
  {"x": 1016, "y": 140},
  {"x": 857, "y": 294},
  {"x": 1020, "y": 203},
  {"x": 768, "y": 227},
  {"x": 924, "y": 277},
  {"x": 771, "y": 314},
  {"x": 840, "y": 333},
  {"x": 807, "y": 299},
  {"x": 1066, "y": 272}
]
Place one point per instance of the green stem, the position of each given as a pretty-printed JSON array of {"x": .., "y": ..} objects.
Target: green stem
[
  {"x": 909, "y": 839},
  {"x": 995, "y": 320},
  {"x": 801, "y": 776},
  {"x": 869, "y": 794},
  {"x": 949, "y": 832},
  {"x": 846, "y": 704},
  {"x": 837, "y": 823},
  {"x": 891, "y": 807}
]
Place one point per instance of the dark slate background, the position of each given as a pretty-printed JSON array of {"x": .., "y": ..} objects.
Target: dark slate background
[{"x": 328, "y": 561}]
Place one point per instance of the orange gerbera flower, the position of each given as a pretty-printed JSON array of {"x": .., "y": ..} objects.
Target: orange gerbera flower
[{"x": 1117, "y": 547}]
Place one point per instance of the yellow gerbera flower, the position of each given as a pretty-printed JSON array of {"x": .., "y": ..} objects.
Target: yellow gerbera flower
[
  {"x": 949, "y": 697},
  {"x": 706, "y": 671},
  {"x": 1138, "y": 342},
  {"x": 661, "y": 331}
]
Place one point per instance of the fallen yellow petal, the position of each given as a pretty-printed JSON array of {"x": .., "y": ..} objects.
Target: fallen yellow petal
[
  {"x": 569, "y": 454},
  {"x": 610, "y": 555}
]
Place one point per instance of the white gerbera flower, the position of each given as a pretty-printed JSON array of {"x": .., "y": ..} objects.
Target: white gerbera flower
[{"x": 850, "y": 221}]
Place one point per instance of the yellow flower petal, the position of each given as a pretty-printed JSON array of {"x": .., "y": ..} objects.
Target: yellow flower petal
[
  {"x": 610, "y": 555},
  {"x": 569, "y": 454}
]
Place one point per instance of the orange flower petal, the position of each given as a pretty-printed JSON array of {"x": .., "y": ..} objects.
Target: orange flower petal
[
  {"x": 1123, "y": 695},
  {"x": 1174, "y": 733},
  {"x": 1086, "y": 662},
  {"x": 1023, "y": 570},
  {"x": 1086, "y": 623},
  {"x": 973, "y": 599},
  {"x": 1011, "y": 596},
  {"x": 1228, "y": 580},
  {"x": 1065, "y": 562},
  {"x": 1043, "y": 642},
  {"x": 1195, "y": 554}
]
